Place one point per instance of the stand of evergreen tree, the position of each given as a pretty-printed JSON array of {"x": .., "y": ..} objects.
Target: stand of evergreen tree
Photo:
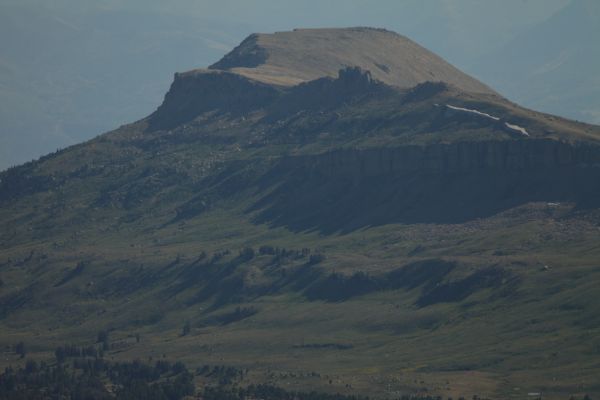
[{"x": 89, "y": 378}]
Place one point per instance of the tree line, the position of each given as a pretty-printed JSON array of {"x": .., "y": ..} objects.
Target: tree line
[{"x": 86, "y": 378}]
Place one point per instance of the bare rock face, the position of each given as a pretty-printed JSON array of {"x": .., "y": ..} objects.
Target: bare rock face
[
  {"x": 195, "y": 92},
  {"x": 355, "y": 76},
  {"x": 348, "y": 80},
  {"x": 324, "y": 93},
  {"x": 348, "y": 189},
  {"x": 198, "y": 91},
  {"x": 523, "y": 156}
]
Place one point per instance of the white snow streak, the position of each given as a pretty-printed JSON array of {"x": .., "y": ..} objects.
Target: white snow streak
[
  {"x": 482, "y": 114},
  {"x": 517, "y": 128}
]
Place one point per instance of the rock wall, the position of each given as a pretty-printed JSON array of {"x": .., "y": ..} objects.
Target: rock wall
[
  {"x": 195, "y": 92},
  {"x": 350, "y": 189},
  {"x": 325, "y": 93},
  {"x": 512, "y": 155}
]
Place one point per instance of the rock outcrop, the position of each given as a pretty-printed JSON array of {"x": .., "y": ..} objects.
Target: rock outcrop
[
  {"x": 515, "y": 155},
  {"x": 327, "y": 92},
  {"x": 198, "y": 91},
  {"x": 348, "y": 189}
]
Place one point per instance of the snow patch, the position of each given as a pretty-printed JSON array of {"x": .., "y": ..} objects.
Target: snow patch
[
  {"x": 476, "y": 112},
  {"x": 517, "y": 128}
]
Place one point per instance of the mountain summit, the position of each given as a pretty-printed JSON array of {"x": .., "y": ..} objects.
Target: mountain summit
[{"x": 289, "y": 58}]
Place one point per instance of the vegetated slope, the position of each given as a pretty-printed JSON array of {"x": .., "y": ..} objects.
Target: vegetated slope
[{"x": 342, "y": 234}]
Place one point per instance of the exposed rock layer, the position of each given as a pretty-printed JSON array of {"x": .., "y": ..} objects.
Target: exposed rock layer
[
  {"x": 350, "y": 189},
  {"x": 517, "y": 155},
  {"x": 194, "y": 92}
]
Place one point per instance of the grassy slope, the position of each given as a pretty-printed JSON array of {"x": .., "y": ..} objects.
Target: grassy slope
[{"x": 547, "y": 324}]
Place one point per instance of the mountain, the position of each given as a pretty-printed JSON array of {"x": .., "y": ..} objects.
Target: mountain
[
  {"x": 318, "y": 225},
  {"x": 553, "y": 65},
  {"x": 66, "y": 57}
]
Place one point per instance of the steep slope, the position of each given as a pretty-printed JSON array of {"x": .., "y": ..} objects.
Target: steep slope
[
  {"x": 342, "y": 234},
  {"x": 288, "y": 58}
]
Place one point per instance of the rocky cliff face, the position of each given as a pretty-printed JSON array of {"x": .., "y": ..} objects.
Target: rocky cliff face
[
  {"x": 350, "y": 189},
  {"x": 515, "y": 155},
  {"x": 326, "y": 93},
  {"x": 195, "y": 92}
]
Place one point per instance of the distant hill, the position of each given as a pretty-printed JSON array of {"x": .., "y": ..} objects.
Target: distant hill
[
  {"x": 62, "y": 76},
  {"x": 554, "y": 65}
]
